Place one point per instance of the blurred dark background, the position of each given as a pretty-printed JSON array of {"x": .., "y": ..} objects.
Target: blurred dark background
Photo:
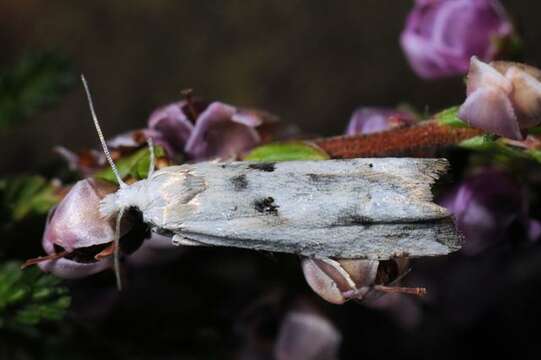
[{"x": 310, "y": 62}]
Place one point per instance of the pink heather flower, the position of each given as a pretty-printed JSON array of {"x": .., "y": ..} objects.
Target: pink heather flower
[
  {"x": 201, "y": 131},
  {"x": 441, "y": 36},
  {"x": 331, "y": 284},
  {"x": 503, "y": 98},
  {"x": 490, "y": 209},
  {"x": 76, "y": 224},
  {"x": 208, "y": 131},
  {"x": 76, "y": 230},
  {"x": 368, "y": 120}
]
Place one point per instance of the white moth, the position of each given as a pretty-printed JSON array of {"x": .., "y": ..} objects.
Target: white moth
[{"x": 374, "y": 209}]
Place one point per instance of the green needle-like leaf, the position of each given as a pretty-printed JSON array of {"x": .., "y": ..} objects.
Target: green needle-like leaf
[
  {"x": 22, "y": 196},
  {"x": 37, "y": 81},
  {"x": 28, "y": 297}
]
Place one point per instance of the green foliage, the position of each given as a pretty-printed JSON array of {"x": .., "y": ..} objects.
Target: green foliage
[
  {"x": 23, "y": 196},
  {"x": 135, "y": 165},
  {"x": 500, "y": 149},
  {"x": 287, "y": 151},
  {"x": 535, "y": 131},
  {"x": 37, "y": 81},
  {"x": 449, "y": 117},
  {"x": 28, "y": 297}
]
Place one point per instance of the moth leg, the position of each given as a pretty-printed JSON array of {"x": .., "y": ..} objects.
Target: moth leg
[
  {"x": 179, "y": 240},
  {"x": 387, "y": 280}
]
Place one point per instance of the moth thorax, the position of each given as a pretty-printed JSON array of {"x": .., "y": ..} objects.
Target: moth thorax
[{"x": 134, "y": 195}]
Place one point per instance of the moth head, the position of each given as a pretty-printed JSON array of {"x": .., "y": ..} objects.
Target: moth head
[{"x": 126, "y": 197}]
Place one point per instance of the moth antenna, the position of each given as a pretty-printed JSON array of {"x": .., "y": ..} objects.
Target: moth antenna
[
  {"x": 116, "y": 254},
  {"x": 100, "y": 134},
  {"x": 152, "y": 157}
]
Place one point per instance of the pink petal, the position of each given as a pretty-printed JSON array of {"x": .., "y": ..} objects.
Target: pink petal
[
  {"x": 173, "y": 125},
  {"x": 306, "y": 336},
  {"x": 534, "y": 230},
  {"x": 216, "y": 134},
  {"x": 76, "y": 222},
  {"x": 68, "y": 269},
  {"x": 422, "y": 56},
  {"x": 247, "y": 117},
  {"x": 484, "y": 75},
  {"x": 526, "y": 97},
  {"x": 321, "y": 283},
  {"x": 368, "y": 120},
  {"x": 490, "y": 109}
]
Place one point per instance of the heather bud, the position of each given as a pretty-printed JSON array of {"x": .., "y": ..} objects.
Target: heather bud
[
  {"x": 333, "y": 279},
  {"x": 76, "y": 228},
  {"x": 503, "y": 98}
]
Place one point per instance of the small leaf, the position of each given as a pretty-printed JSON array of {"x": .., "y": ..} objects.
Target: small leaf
[
  {"x": 499, "y": 148},
  {"x": 135, "y": 165},
  {"x": 28, "y": 297},
  {"x": 449, "y": 117},
  {"x": 287, "y": 151},
  {"x": 479, "y": 143},
  {"x": 22, "y": 196}
]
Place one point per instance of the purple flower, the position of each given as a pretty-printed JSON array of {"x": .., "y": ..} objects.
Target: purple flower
[
  {"x": 489, "y": 209},
  {"x": 79, "y": 241},
  {"x": 202, "y": 131},
  {"x": 368, "y": 120},
  {"x": 193, "y": 129},
  {"x": 441, "y": 36},
  {"x": 504, "y": 98}
]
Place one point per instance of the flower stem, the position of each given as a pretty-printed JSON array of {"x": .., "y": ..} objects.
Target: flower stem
[{"x": 417, "y": 141}]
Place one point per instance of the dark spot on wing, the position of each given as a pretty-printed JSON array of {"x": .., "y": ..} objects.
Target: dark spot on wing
[
  {"x": 266, "y": 206},
  {"x": 371, "y": 165},
  {"x": 268, "y": 167},
  {"x": 322, "y": 179},
  {"x": 353, "y": 219},
  {"x": 240, "y": 182}
]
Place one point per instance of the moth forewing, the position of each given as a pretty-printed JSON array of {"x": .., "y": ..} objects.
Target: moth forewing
[{"x": 360, "y": 208}]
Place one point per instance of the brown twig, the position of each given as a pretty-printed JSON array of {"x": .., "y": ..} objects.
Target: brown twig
[
  {"x": 37, "y": 260},
  {"x": 188, "y": 96},
  {"x": 400, "y": 290},
  {"x": 418, "y": 141}
]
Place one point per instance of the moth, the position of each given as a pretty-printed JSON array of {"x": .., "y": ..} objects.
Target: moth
[{"x": 371, "y": 209}]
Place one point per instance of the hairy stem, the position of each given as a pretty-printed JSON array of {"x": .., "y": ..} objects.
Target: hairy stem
[{"x": 417, "y": 141}]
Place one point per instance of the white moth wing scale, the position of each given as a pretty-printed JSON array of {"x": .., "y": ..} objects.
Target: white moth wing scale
[{"x": 359, "y": 208}]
